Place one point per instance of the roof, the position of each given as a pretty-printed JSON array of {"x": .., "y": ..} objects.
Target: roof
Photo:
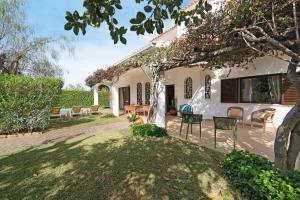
[{"x": 188, "y": 7}]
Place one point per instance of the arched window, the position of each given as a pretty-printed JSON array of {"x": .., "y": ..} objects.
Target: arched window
[
  {"x": 139, "y": 93},
  {"x": 207, "y": 87},
  {"x": 188, "y": 88},
  {"x": 147, "y": 93}
]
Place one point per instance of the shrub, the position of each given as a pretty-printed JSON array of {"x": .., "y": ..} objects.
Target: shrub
[
  {"x": 69, "y": 98},
  {"x": 148, "y": 130},
  {"x": 25, "y": 102},
  {"x": 256, "y": 177}
]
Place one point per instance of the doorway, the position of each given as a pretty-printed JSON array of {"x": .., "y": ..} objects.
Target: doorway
[
  {"x": 124, "y": 97},
  {"x": 170, "y": 97}
]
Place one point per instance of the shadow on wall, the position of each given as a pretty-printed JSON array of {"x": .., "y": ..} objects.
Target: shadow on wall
[{"x": 115, "y": 168}]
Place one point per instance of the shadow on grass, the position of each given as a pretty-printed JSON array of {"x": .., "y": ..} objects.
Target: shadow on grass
[
  {"x": 122, "y": 168},
  {"x": 76, "y": 120}
]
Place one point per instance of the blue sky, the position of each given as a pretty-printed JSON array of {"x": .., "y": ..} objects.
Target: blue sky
[{"x": 92, "y": 51}]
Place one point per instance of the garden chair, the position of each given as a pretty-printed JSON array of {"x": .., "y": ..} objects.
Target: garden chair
[
  {"x": 76, "y": 110},
  {"x": 236, "y": 112},
  {"x": 225, "y": 123},
  {"x": 94, "y": 109},
  {"x": 55, "y": 112},
  {"x": 263, "y": 116},
  {"x": 190, "y": 119}
]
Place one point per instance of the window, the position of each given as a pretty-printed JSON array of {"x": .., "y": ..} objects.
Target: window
[
  {"x": 262, "y": 89},
  {"x": 207, "y": 87},
  {"x": 259, "y": 89},
  {"x": 188, "y": 88},
  {"x": 147, "y": 93},
  {"x": 139, "y": 93}
]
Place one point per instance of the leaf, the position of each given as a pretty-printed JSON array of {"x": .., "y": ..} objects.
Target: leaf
[
  {"x": 68, "y": 26},
  {"x": 208, "y": 6},
  {"x": 140, "y": 17},
  {"x": 148, "y": 9},
  {"x": 76, "y": 30},
  {"x": 123, "y": 40}
]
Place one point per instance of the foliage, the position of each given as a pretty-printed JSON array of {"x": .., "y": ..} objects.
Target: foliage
[
  {"x": 104, "y": 98},
  {"x": 256, "y": 177},
  {"x": 69, "y": 98},
  {"x": 148, "y": 130},
  {"x": 131, "y": 117},
  {"x": 25, "y": 103},
  {"x": 148, "y": 20},
  {"x": 21, "y": 51}
]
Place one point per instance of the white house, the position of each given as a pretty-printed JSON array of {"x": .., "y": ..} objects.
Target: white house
[{"x": 210, "y": 92}]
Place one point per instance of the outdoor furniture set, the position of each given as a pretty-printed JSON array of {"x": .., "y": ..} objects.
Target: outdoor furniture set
[
  {"x": 234, "y": 115},
  {"x": 58, "y": 112},
  {"x": 137, "y": 109}
]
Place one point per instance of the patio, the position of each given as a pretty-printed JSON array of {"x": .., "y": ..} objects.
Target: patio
[{"x": 253, "y": 140}]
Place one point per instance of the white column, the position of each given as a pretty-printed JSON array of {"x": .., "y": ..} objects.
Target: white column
[
  {"x": 115, "y": 99},
  {"x": 160, "y": 118},
  {"x": 96, "y": 96}
]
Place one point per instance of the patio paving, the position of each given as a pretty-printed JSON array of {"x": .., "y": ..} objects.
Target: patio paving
[{"x": 253, "y": 140}]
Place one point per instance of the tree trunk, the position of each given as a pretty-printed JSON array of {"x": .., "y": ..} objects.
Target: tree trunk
[
  {"x": 289, "y": 123},
  {"x": 154, "y": 95},
  {"x": 294, "y": 148}
]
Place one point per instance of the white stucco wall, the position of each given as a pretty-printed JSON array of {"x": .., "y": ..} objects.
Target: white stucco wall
[{"x": 214, "y": 107}]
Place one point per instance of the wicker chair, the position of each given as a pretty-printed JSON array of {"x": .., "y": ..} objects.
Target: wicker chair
[
  {"x": 237, "y": 113},
  {"x": 94, "y": 109},
  {"x": 55, "y": 112},
  {"x": 263, "y": 116},
  {"x": 76, "y": 110},
  {"x": 190, "y": 119}
]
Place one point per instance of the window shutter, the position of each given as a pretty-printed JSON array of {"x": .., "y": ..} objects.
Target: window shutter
[
  {"x": 229, "y": 92},
  {"x": 289, "y": 92}
]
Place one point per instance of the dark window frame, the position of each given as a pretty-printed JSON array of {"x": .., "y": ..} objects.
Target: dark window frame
[{"x": 239, "y": 93}]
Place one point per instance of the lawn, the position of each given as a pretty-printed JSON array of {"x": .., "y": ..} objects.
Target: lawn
[
  {"x": 111, "y": 166},
  {"x": 81, "y": 121}
]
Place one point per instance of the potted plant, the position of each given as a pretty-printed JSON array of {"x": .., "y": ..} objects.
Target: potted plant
[
  {"x": 133, "y": 118},
  {"x": 173, "y": 109}
]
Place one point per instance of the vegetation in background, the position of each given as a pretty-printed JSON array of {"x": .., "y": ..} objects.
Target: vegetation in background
[
  {"x": 21, "y": 51},
  {"x": 110, "y": 166},
  {"x": 256, "y": 177},
  {"x": 69, "y": 98},
  {"x": 25, "y": 102},
  {"x": 148, "y": 130}
]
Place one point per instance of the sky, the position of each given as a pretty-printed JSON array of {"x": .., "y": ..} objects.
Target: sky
[{"x": 94, "y": 50}]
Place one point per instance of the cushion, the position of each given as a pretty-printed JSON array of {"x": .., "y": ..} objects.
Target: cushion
[
  {"x": 76, "y": 109},
  {"x": 94, "y": 108},
  {"x": 55, "y": 110},
  {"x": 235, "y": 112}
]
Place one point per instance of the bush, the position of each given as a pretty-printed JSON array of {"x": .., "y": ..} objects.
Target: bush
[
  {"x": 104, "y": 98},
  {"x": 25, "y": 102},
  {"x": 148, "y": 130},
  {"x": 256, "y": 177},
  {"x": 69, "y": 98}
]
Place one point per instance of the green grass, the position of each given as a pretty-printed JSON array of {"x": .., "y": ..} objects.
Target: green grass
[
  {"x": 110, "y": 166},
  {"x": 81, "y": 121}
]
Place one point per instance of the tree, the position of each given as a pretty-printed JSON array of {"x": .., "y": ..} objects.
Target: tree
[
  {"x": 21, "y": 52},
  {"x": 151, "y": 18},
  {"x": 76, "y": 86}
]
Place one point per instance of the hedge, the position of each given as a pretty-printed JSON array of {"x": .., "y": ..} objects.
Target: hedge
[
  {"x": 256, "y": 178},
  {"x": 25, "y": 102},
  {"x": 83, "y": 98}
]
